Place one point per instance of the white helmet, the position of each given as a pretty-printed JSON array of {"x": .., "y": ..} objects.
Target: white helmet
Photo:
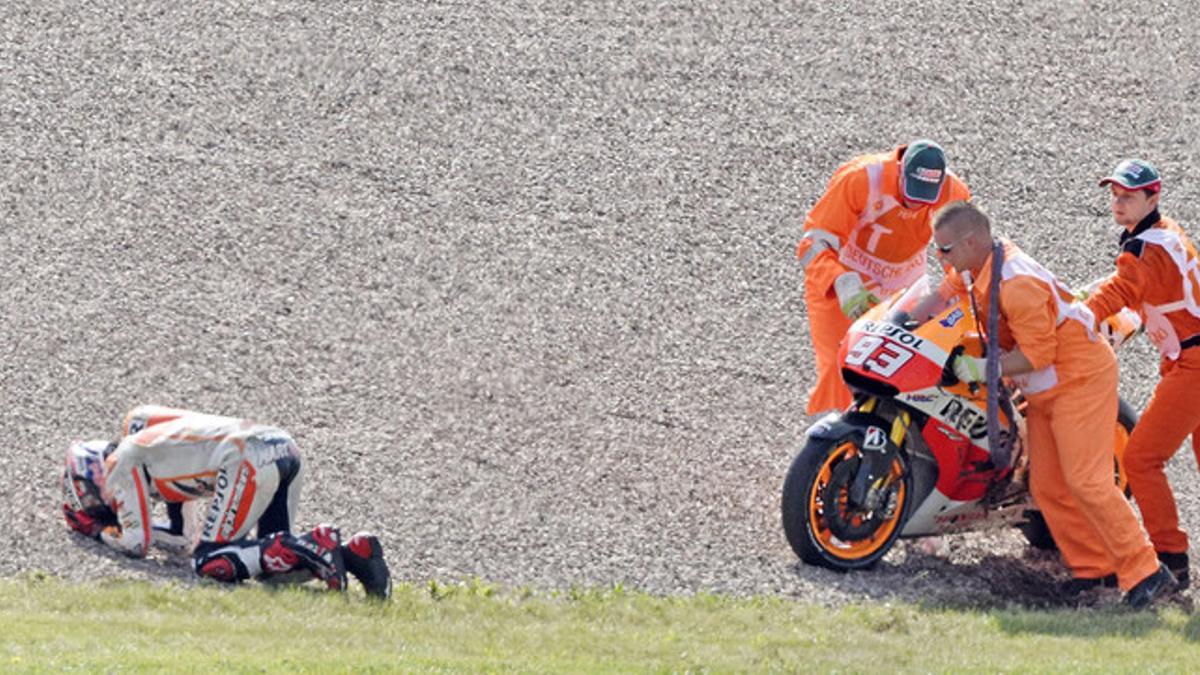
[{"x": 83, "y": 483}]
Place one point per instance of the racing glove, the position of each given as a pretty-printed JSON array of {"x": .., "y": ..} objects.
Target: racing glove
[
  {"x": 854, "y": 297},
  {"x": 114, "y": 537},
  {"x": 970, "y": 369},
  {"x": 83, "y": 523},
  {"x": 174, "y": 533},
  {"x": 165, "y": 537}
]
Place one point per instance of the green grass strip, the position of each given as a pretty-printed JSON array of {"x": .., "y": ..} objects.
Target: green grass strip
[{"x": 46, "y": 624}]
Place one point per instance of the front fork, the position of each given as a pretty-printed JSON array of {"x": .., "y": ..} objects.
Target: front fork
[{"x": 870, "y": 487}]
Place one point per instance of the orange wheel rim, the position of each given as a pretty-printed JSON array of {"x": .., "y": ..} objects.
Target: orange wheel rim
[{"x": 860, "y": 548}]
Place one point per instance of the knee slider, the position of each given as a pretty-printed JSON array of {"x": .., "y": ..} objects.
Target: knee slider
[{"x": 223, "y": 564}]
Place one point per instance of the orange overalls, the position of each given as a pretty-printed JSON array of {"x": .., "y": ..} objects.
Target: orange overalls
[
  {"x": 1157, "y": 275},
  {"x": 860, "y": 225},
  {"x": 1072, "y": 395}
]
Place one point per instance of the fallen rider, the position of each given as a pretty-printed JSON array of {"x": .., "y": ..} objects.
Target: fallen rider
[{"x": 251, "y": 475}]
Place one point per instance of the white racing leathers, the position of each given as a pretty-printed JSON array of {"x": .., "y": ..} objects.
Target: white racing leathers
[{"x": 251, "y": 475}]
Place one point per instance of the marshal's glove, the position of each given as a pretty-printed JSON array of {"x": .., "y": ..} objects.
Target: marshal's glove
[
  {"x": 854, "y": 297},
  {"x": 970, "y": 369},
  {"x": 1120, "y": 327}
]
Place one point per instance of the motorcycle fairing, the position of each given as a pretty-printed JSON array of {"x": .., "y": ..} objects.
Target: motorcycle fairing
[
  {"x": 887, "y": 351},
  {"x": 967, "y": 469},
  {"x": 939, "y": 514},
  {"x": 882, "y": 351}
]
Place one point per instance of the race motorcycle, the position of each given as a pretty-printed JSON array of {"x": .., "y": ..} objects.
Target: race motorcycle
[{"x": 911, "y": 456}]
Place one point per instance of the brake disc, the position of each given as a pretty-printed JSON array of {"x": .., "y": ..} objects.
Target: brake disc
[{"x": 846, "y": 521}]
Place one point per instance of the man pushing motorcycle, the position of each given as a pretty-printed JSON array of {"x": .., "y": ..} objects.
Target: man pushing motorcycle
[
  {"x": 866, "y": 237},
  {"x": 251, "y": 474},
  {"x": 1158, "y": 274},
  {"x": 1069, "y": 378}
]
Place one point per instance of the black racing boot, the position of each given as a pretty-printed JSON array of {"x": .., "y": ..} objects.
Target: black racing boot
[
  {"x": 364, "y": 559},
  {"x": 1178, "y": 564},
  {"x": 321, "y": 551},
  {"x": 1151, "y": 588}
]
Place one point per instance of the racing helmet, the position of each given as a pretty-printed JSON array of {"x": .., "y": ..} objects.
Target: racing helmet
[{"x": 83, "y": 481}]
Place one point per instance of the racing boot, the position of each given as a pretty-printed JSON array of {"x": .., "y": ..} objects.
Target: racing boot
[
  {"x": 318, "y": 551},
  {"x": 1178, "y": 564},
  {"x": 364, "y": 559}
]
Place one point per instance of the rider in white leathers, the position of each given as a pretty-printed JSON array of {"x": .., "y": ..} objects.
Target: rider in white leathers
[{"x": 251, "y": 474}]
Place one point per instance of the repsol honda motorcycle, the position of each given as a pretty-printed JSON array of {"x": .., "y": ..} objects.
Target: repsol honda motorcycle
[{"x": 911, "y": 456}]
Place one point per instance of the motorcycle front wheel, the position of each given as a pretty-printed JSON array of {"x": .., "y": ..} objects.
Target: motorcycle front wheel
[{"x": 822, "y": 525}]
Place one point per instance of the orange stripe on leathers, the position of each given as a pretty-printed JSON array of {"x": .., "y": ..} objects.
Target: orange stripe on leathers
[
  {"x": 143, "y": 508},
  {"x": 243, "y": 506}
]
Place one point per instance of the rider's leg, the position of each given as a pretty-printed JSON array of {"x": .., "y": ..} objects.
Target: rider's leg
[
  {"x": 280, "y": 514},
  {"x": 319, "y": 551},
  {"x": 246, "y": 487},
  {"x": 229, "y": 562},
  {"x": 316, "y": 553}
]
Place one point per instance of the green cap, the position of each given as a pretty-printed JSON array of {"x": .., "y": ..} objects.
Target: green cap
[
  {"x": 1134, "y": 174},
  {"x": 922, "y": 171}
]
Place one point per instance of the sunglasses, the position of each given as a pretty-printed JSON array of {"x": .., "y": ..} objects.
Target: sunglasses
[{"x": 945, "y": 249}]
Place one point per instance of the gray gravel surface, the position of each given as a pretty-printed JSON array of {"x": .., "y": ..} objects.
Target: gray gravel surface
[{"x": 519, "y": 275}]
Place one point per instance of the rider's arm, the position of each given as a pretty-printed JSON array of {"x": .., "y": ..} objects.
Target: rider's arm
[
  {"x": 1126, "y": 287},
  {"x": 1031, "y": 312},
  {"x": 128, "y": 494},
  {"x": 829, "y": 224}
]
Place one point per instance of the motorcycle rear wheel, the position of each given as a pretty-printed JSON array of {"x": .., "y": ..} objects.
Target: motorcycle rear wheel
[
  {"x": 816, "y": 504},
  {"x": 1036, "y": 532}
]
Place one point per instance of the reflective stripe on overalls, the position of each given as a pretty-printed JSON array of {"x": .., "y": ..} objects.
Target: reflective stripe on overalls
[
  {"x": 1021, "y": 264},
  {"x": 881, "y": 276},
  {"x": 1158, "y": 328}
]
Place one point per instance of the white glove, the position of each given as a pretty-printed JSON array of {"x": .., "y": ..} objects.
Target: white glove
[
  {"x": 970, "y": 369},
  {"x": 162, "y": 537},
  {"x": 116, "y": 538},
  {"x": 853, "y": 295},
  {"x": 1120, "y": 327}
]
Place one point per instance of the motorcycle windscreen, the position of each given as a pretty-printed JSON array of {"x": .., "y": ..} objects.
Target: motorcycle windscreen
[{"x": 884, "y": 352}]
